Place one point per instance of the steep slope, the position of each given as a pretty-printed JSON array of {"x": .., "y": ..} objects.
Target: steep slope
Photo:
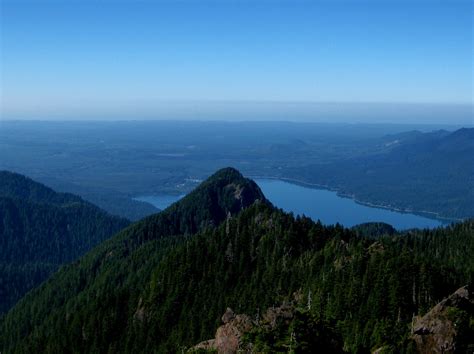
[
  {"x": 41, "y": 230},
  {"x": 156, "y": 288}
]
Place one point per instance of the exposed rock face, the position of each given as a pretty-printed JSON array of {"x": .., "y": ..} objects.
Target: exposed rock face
[
  {"x": 439, "y": 329},
  {"x": 228, "y": 338},
  {"x": 229, "y": 335}
]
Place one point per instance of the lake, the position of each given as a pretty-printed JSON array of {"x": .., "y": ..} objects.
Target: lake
[
  {"x": 330, "y": 208},
  {"x": 320, "y": 204}
]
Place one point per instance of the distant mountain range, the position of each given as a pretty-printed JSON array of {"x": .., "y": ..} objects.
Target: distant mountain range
[
  {"x": 40, "y": 230},
  {"x": 162, "y": 284}
]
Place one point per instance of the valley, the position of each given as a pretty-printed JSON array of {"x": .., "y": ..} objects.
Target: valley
[{"x": 110, "y": 164}]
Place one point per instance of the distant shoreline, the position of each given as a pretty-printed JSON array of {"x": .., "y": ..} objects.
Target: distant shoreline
[{"x": 425, "y": 213}]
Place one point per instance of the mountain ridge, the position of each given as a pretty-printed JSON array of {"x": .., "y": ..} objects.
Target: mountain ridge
[
  {"x": 41, "y": 230},
  {"x": 17, "y": 186},
  {"x": 157, "y": 286}
]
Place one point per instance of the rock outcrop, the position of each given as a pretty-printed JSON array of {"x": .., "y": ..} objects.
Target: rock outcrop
[
  {"x": 284, "y": 328},
  {"x": 445, "y": 328},
  {"x": 228, "y": 338}
]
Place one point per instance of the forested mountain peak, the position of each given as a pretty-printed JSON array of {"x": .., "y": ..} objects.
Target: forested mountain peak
[
  {"x": 226, "y": 190},
  {"x": 134, "y": 251},
  {"x": 224, "y": 193}
]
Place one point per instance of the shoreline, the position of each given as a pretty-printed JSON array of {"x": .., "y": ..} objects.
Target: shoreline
[{"x": 425, "y": 213}]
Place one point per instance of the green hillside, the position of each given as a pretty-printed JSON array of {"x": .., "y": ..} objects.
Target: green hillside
[
  {"x": 162, "y": 284},
  {"x": 41, "y": 230}
]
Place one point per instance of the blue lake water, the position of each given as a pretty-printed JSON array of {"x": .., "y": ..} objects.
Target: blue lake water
[{"x": 320, "y": 204}]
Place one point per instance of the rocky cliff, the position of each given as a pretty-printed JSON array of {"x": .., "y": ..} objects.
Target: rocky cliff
[{"x": 448, "y": 327}]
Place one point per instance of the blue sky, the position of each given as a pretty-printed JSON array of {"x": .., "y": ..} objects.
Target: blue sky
[{"x": 120, "y": 58}]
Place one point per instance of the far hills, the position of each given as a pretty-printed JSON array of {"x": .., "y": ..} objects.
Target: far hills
[
  {"x": 40, "y": 230},
  {"x": 412, "y": 171},
  {"x": 162, "y": 284},
  {"x": 408, "y": 167}
]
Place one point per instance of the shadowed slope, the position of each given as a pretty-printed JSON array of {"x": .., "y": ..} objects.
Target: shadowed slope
[{"x": 41, "y": 230}]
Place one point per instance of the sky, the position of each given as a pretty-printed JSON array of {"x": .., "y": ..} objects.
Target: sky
[{"x": 84, "y": 59}]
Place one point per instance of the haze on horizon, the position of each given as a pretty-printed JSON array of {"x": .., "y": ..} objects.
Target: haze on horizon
[{"x": 343, "y": 61}]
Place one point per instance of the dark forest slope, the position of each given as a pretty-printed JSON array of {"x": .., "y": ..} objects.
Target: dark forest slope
[{"x": 41, "y": 230}]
